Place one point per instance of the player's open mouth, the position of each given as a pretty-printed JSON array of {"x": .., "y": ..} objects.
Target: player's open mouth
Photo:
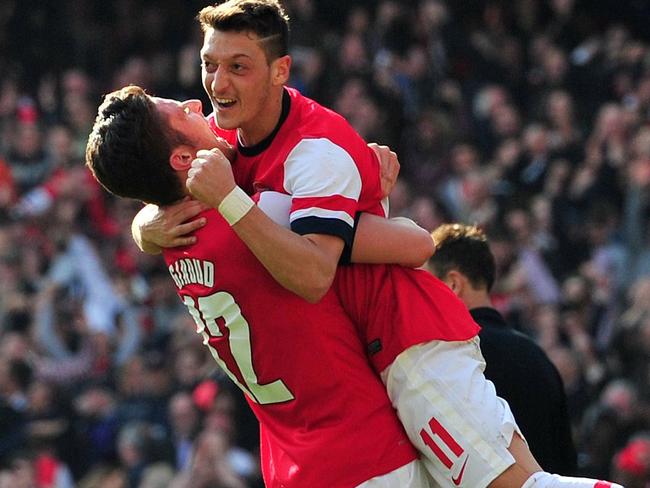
[{"x": 225, "y": 102}]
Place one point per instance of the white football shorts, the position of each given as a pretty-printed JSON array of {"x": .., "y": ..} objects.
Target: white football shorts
[
  {"x": 411, "y": 475},
  {"x": 451, "y": 412}
]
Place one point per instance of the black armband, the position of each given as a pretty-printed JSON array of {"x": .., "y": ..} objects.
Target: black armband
[{"x": 346, "y": 256}]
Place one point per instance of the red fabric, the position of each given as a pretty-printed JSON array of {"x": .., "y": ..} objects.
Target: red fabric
[
  {"x": 125, "y": 261},
  {"x": 205, "y": 394},
  {"x": 54, "y": 182},
  {"x": 400, "y": 307},
  {"x": 45, "y": 467},
  {"x": 635, "y": 458},
  {"x": 7, "y": 182},
  {"x": 336, "y": 427}
]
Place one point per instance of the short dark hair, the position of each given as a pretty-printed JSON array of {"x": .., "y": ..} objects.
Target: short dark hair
[
  {"x": 463, "y": 248},
  {"x": 129, "y": 147},
  {"x": 265, "y": 18}
]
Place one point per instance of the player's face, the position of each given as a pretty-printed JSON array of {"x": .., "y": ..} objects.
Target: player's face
[
  {"x": 187, "y": 118},
  {"x": 243, "y": 87}
]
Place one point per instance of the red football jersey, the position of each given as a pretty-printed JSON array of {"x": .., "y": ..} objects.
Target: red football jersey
[
  {"x": 325, "y": 418},
  {"x": 315, "y": 156},
  {"x": 396, "y": 307}
]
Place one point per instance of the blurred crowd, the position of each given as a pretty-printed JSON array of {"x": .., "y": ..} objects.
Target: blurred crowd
[{"x": 530, "y": 118}]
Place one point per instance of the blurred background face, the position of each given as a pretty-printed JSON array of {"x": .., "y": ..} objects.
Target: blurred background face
[
  {"x": 23, "y": 474},
  {"x": 5, "y": 383},
  {"x": 187, "y": 367},
  {"x": 183, "y": 415},
  {"x": 28, "y": 140},
  {"x": 40, "y": 397}
]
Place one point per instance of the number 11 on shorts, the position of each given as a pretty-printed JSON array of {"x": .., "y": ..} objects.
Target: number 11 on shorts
[{"x": 439, "y": 432}]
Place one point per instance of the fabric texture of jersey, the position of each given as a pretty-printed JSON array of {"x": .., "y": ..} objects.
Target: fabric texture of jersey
[
  {"x": 396, "y": 307},
  {"x": 325, "y": 418},
  {"x": 316, "y": 157}
]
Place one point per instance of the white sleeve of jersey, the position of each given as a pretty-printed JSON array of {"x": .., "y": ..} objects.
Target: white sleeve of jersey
[
  {"x": 276, "y": 205},
  {"x": 323, "y": 180}
]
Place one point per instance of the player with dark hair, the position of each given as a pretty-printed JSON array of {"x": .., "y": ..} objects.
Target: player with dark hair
[
  {"x": 463, "y": 248},
  {"x": 325, "y": 419},
  {"x": 274, "y": 345},
  {"x": 290, "y": 144},
  {"x": 130, "y": 120}
]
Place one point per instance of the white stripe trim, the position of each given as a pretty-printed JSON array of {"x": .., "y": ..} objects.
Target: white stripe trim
[
  {"x": 385, "y": 205},
  {"x": 321, "y": 213},
  {"x": 277, "y": 206}
]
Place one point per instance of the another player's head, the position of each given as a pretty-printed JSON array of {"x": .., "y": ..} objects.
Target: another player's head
[
  {"x": 462, "y": 259},
  {"x": 245, "y": 63},
  {"x": 265, "y": 19},
  {"x": 141, "y": 146}
]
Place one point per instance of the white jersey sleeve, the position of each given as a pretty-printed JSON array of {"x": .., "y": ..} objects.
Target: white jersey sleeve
[
  {"x": 325, "y": 185},
  {"x": 276, "y": 205}
]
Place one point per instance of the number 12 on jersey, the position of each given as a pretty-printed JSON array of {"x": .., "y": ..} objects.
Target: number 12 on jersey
[{"x": 220, "y": 308}]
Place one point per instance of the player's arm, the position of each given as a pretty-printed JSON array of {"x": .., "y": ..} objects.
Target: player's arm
[
  {"x": 304, "y": 264},
  {"x": 392, "y": 241},
  {"x": 155, "y": 228},
  {"x": 377, "y": 240}
]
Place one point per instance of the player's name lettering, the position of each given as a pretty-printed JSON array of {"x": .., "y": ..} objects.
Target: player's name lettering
[{"x": 192, "y": 272}]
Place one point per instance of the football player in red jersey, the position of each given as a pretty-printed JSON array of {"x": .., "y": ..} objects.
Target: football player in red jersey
[
  {"x": 325, "y": 418},
  {"x": 290, "y": 144},
  {"x": 213, "y": 278}
]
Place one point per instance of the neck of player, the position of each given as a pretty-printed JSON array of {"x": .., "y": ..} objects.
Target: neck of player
[{"x": 263, "y": 125}]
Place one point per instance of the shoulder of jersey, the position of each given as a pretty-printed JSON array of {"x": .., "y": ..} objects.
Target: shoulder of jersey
[{"x": 315, "y": 119}]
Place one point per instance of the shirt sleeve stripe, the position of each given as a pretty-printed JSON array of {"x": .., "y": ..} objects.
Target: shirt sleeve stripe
[
  {"x": 321, "y": 213},
  {"x": 315, "y": 225},
  {"x": 330, "y": 202}
]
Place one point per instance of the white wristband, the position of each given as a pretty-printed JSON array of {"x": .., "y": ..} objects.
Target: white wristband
[{"x": 235, "y": 205}]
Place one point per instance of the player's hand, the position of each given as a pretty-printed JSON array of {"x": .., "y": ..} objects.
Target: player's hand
[
  {"x": 160, "y": 227},
  {"x": 210, "y": 178},
  {"x": 388, "y": 167},
  {"x": 226, "y": 149}
]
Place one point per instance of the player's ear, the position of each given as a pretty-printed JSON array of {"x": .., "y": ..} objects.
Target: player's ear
[
  {"x": 280, "y": 69},
  {"x": 454, "y": 280},
  {"x": 181, "y": 158}
]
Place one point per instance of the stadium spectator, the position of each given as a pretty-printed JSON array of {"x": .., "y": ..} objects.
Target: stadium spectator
[{"x": 518, "y": 367}]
